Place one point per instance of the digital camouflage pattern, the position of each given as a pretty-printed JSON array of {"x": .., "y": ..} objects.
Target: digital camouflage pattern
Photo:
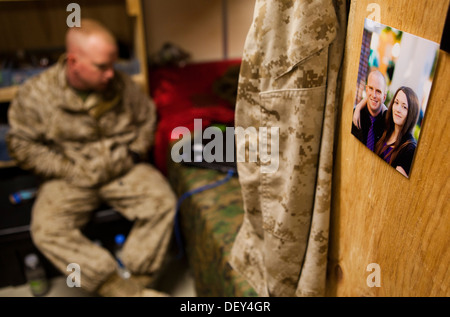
[
  {"x": 82, "y": 151},
  {"x": 288, "y": 79},
  {"x": 56, "y": 134},
  {"x": 209, "y": 222}
]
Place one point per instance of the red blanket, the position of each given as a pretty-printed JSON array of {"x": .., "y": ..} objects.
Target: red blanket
[{"x": 184, "y": 94}]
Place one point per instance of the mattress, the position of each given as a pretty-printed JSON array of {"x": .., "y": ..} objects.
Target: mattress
[{"x": 209, "y": 222}]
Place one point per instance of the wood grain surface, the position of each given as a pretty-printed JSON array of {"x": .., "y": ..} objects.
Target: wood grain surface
[{"x": 378, "y": 215}]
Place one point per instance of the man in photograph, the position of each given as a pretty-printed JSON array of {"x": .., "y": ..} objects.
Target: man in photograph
[{"x": 368, "y": 117}]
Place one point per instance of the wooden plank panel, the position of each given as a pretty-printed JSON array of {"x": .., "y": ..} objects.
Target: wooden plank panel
[
  {"x": 378, "y": 215},
  {"x": 240, "y": 16},
  {"x": 41, "y": 25},
  {"x": 194, "y": 25}
]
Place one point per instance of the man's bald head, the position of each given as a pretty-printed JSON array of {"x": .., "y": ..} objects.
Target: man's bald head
[
  {"x": 79, "y": 38},
  {"x": 91, "y": 53},
  {"x": 377, "y": 74}
]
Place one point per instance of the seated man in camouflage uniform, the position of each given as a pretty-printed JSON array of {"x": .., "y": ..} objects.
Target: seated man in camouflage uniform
[{"x": 86, "y": 129}]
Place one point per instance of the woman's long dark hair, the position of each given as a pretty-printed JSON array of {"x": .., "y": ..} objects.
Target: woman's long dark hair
[{"x": 410, "y": 122}]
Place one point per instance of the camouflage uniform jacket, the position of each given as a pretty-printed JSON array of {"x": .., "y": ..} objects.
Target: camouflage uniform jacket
[
  {"x": 56, "y": 134},
  {"x": 289, "y": 80}
]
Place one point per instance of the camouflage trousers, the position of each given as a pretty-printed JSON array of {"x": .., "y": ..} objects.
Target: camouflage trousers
[
  {"x": 142, "y": 195},
  {"x": 288, "y": 80}
]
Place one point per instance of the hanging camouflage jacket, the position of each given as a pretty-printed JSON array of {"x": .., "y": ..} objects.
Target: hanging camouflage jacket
[
  {"x": 56, "y": 134},
  {"x": 288, "y": 80}
]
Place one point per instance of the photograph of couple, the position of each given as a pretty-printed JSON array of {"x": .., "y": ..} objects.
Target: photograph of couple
[{"x": 394, "y": 82}]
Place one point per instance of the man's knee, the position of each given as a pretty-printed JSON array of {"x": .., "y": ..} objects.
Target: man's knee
[
  {"x": 42, "y": 228},
  {"x": 159, "y": 189},
  {"x": 167, "y": 200},
  {"x": 37, "y": 234}
]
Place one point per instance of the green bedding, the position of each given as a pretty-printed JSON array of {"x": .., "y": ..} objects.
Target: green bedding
[{"x": 209, "y": 223}]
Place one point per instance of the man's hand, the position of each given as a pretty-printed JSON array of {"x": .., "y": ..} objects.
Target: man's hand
[
  {"x": 136, "y": 157},
  {"x": 357, "y": 112}
]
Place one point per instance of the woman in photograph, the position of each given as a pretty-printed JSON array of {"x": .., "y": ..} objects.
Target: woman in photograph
[{"x": 397, "y": 144}]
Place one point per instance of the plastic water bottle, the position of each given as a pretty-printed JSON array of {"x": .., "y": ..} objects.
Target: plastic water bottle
[
  {"x": 35, "y": 274},
  {"x": 22, "y": 195},
  {"x": 121, "y": 269}
]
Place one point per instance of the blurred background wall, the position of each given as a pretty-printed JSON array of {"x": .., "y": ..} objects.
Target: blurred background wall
[{"x": 207, "y": 29}]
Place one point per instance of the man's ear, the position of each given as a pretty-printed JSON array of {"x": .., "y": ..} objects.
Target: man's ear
[
  {"x": 384, "y": 97},
  {"x": 71, "y": 59}
]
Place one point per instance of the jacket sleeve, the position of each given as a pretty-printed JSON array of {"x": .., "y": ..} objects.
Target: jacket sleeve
[
  {"x": 26, "y": 140},
  {"x": 144, "y": 112}
]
